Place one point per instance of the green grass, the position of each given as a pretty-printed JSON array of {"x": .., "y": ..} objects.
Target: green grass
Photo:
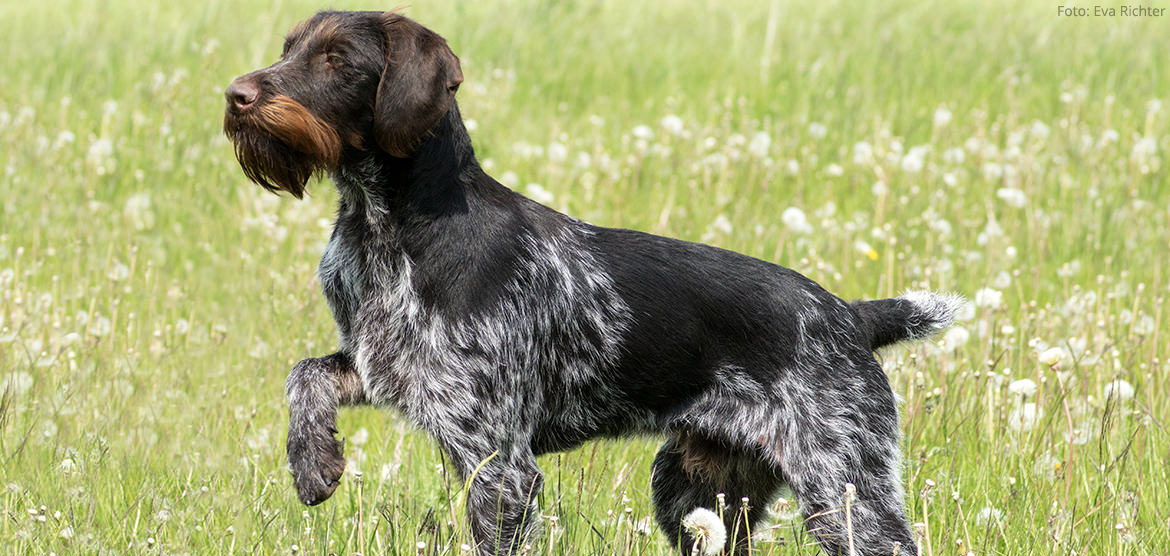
[{"x": 152, "y": 301}]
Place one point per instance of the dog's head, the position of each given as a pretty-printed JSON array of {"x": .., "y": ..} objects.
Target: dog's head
[{"x": 346, "y": 80}]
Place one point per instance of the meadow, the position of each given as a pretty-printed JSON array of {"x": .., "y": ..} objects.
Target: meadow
[{"x": 152, "y": 300}]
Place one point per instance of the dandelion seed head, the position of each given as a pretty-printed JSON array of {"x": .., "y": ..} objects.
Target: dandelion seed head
[
  {"x": 1012, "y": 196},
  {"x": 988, "y": 298},
  {"x": 796, "y": 221},
  {"x": 1023, "y": 387},
  {"x": 1024, "y": 417},
  {"x": 672, "y": 124},
  {"x": 1118, "y": 390},
  {"x": 707, "y": 530},
  {"x": 942, "y": 116},
  {"x": 1054, "y": 356}
]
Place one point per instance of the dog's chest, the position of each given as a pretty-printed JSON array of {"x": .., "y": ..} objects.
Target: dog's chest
[{"x": 345, "y": 277}]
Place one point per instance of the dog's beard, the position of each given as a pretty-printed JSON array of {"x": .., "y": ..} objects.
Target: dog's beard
[{"x": 280, "y": 144}]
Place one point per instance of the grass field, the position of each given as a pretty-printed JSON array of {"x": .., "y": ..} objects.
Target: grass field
[{"x": 152, "y": 300}]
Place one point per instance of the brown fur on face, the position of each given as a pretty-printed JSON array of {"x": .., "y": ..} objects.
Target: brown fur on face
[{"x": 280, "y": 145}]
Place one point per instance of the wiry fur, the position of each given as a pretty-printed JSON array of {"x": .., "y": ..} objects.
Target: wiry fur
[{"x": 508, "y": 330}]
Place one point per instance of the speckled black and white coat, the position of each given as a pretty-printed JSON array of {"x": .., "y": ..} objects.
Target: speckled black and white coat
[{"x": 507, "y": 330}]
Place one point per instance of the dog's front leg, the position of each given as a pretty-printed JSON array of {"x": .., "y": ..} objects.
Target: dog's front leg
[
  {"x": 316, "y": 388},
  {"x": 502, "y": 488}
]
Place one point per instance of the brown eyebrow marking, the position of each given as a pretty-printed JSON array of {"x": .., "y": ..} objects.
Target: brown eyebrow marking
[
  {"x": 295, "y": 33},
  {"x": 328, "y": 33}
]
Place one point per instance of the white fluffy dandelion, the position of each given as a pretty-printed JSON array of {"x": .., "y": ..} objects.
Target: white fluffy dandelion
[
  {"x": 1023, "y": 387},
  {"x": 988, "y": 298},
  {"x": 942, "y": 116},
  {"x": 1012, "y": 196},
  {"x": 1025, "y": 417},
  {"x": 817, "y": 130},
  {"x": 1119, "y": 390},
  {"x": 708, "y": 531},
  {"x": 672, "y": 124},
  {"x": 1054, "y": 356},
  {"x": 760, "y": 144}
]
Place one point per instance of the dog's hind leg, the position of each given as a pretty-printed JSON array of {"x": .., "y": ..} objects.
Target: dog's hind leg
[
  {"x": 690, "y": 471},
  {"x": 840, "y": 433},
  {"x": 315, "y": 388}
]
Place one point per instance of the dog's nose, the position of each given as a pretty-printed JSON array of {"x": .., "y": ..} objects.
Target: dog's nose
[{"x": 242, "y": 94}]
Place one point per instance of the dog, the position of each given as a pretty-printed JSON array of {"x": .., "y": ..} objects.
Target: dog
[{"x": 507, "y": 330}]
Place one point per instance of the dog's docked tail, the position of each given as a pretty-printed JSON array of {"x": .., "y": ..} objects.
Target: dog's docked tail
[{"x": 914, "y": 315}]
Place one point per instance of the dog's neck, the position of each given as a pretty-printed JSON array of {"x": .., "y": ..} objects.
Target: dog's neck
[{"x": 435, "y": 179}]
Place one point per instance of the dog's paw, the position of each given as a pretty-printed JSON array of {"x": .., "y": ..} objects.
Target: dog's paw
[{"x": 316, "y": 464}]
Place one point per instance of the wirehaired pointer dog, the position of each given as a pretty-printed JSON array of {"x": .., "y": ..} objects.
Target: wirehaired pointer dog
[{"x": 507, "y": 330}]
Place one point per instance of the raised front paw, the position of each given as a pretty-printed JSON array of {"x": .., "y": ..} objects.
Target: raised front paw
[{"x": 315, "y": 459}]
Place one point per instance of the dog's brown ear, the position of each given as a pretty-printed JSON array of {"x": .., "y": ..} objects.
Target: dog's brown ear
[{"x": 418, "y": 84}]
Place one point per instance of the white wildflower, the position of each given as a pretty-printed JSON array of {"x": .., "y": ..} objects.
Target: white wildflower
[
  {"x": 760, "y": 145},
  {"x": 1054, "y": 356},
  {"x": 672, "y": 124},
  {"x": 1024, "y": 417},
  {"x": 1022, "y": 387},
  {"x": 100, "y": 156},
  {"x": 67, "y": 466},
  {"x": 1012, "y": 196},
  {"x": 988, "y": 298},
  {"x": 1144, "y": 149},
  {"x": 509, "y": 179},
  {"x": 64, "y": 138},
  {"x": 817, "y": 130},
  {"x": 992, "y": 171},
  {"x": 954, "y": 155},
  {"x": 915, "y": 160},
  {"x": 1144, "y": 325},
  {"x": 1119, "y": 390},
  {"x": 792, "y": 167},
  {"x": 955, "y": 337},
  {"x": 101, "y": 326},
  {"x": 360, "y": 437},
  {"x": 988, "y": 516},
  {"x": 721, "y": 225},
  {"x": 138, "y": 211},
  {"x": 643, "y": 132},
  {"x": 539, "y": 194},
  {"x": 1040, "y": 130},
  {"x": 862, "y": 153},
  {"x": 796, "y": 221},
  {"x": 1002, "y": 280},
  {"x": 708, "y": 531},
  {"x": 557, "y": 152},
  {"x": 18, "y": 383},
  {"x": 942, "y": 116},
  {"x": 118, "y": 272}
]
